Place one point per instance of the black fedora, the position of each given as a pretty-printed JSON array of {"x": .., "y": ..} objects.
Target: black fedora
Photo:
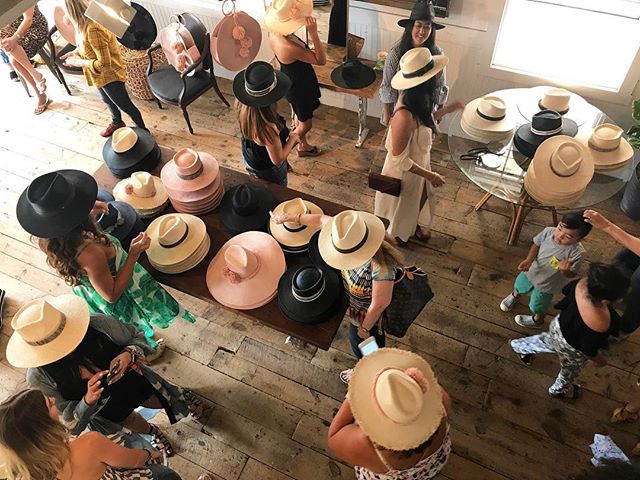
[
  {"x": 129, "y": 149},
  {"x": 122, "y": 222},
  {"x": 246, "y": 207},
  {"x": 57, "y": 202},
  {"x": 422, "y": 10},
  {"x": 544, "y": 124},
  {"x": 309, "y": 294},
  {"x": 314, "y": 252},
  {"x": 353, "y": 74},
  {"x": 260, "y": 85}
]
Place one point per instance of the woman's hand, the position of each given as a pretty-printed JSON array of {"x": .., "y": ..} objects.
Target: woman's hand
[
  {"x": 279, "y": 218},
  {"x": 155, "y": 457},
  {"x": 294, "y": 137},
  {"x": 72, "y": 53},
  {"x": 139, "y": 244},
  {"x": 125, "y": 360},
  {"x": 8, "y": 44},
  {"x": 362, "y": 333},
  {"x": 596, "y": 219},
  {"x": 436, "y": 179},
  {"x": 94, "y": 390},
  {"x": 99, "y": 208},
  {"x": 312, "y": 26},
  {"x": 453, "y": 106}
]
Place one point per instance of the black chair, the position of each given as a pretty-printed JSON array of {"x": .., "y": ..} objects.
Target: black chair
[
  {"x": 50, "y": 56},
  {"x": 181, "y": 89}
]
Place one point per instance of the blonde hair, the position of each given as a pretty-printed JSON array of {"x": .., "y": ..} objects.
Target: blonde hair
[
  {"x": 390, "y": 254},
  {"x": 255, "y": 122},
  {"x": 75, "y": 12},
  {"x": 33, "y": 445}
]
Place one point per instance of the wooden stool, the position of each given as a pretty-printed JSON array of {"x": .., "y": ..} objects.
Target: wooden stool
[{"x": 136, "y": 63}]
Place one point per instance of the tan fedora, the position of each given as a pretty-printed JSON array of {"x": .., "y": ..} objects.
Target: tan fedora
[
  {"x": 124, "y": 139},
  {"x": 175, "y": 239},
  {"x": 47, "y": 330},
  {"x": 142, "y": 191},
  {"x": 488, "y": 114},
  {"x": 350, "y": 239},
  {"x": 396, "y": 398},
  {"x": 556, "y": 99},
  {"x": 568, "y": 104},
  {"x": 291, "y": 234},
  {"x": 609, "y": 149},
  {"x": 286, "y": 16},
  {"x": 416, "y": 67}
]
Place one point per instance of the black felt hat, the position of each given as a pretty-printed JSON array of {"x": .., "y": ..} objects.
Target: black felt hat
[
  {"x": 309, "y": 294},
  {"x": 260, "y": 85},
  {"x": 544, "y": 124},
  {"x": 246, "y": 207},
  {"x": 143, "y": 155},
  {"x": 353, "y": 74},
  {"x": 55, "y": 203},
  {"x": 121, "y": 221},
  {"x": 422, "y": 10}
]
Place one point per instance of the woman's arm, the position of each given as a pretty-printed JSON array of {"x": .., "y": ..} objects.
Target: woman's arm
[
  {"x": 315, "y": 220},
  {"x": 618, "y": 234},
  {"x": 382, "y": 292},
  {"x": 388, "y": 95},
  {"x": 448, "y": 108},
  {"x": 109, "y": 453},
  {"x": 318, "y": 48},
  {"x": 278, "y": 153},
  {"x": 347, "y": 440},
  {"x": 8, "y": 44}
]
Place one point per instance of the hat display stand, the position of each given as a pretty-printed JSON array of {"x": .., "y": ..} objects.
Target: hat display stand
[{"x": 236, "y": 39}]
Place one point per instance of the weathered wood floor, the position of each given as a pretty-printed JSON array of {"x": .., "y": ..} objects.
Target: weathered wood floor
[{"x": 272, "y": 404}]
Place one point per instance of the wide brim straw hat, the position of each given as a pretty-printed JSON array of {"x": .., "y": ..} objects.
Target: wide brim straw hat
[
  {"x": 296, "y": 236},
  {"x": 608, "y": 154},
  {"x": 350, "y": 239},
  {"x": 286, "y": 16},
  {"x": 57, "y": 202},
  {"x": 167, "y": 251},
  {"x": 178, "y": 180},
  {"x": 155, "y": 202},
  {"x": 488, "y": 114},
  {"x": 416, "y": 67},
  {"x": 260, "y": 85},
  {"x": 246, "y": 207},
  {"x": 54, "y": 340},
  {"x": 382, "y": 430},
  {"x": 533, "y": 102}
]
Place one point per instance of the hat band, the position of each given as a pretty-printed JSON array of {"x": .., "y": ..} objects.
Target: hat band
[
  {"x": 592, "y": 146},
  {"x": 193, "y": 175},
  {"x": 294, "y": 230},
  {"x": 546, "y": 133},
  {"x": 175, "y": 244},
  {"x": 110, "y": 228},
  {"x": 420, "y": 71},
  {"x": 302, "y": 299},
  {"x": 52, "y": 337},
  {"x": 357, "y": 247},
  {"x": 488, "y": 117},
  {"x": 542, "y": 107},
  {"x": 264, "y": 91}
]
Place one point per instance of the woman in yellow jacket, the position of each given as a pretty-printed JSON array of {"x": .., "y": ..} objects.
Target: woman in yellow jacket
[{"x": 99, "y": 56}]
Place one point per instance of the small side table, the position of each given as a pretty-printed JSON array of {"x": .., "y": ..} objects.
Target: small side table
[{"x": 136, "y": 63}]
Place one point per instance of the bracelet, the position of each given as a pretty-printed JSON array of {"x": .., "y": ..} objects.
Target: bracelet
[
  {"x": 298, "y": 217},
  {"x": 150, "y": 454}
]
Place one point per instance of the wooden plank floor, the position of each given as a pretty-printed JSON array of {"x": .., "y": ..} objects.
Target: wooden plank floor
[{"x": 271, "y": 404}]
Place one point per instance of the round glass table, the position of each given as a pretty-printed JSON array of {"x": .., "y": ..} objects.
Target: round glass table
[{"x": 502, "y": 175}]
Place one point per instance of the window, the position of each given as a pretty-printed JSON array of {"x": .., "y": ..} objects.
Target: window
[{"x": 585, "y": 42}]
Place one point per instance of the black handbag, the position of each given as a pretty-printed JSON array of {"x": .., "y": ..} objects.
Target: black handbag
[
  {"x": 385, "y": 184},
  {"x": 411, "y": 292}
]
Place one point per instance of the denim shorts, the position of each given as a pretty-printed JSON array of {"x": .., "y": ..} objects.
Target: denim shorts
[{"x": 276, "y": 174}]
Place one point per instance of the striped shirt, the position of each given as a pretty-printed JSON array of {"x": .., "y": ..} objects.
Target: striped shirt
[{"x": 100, "y": 45}]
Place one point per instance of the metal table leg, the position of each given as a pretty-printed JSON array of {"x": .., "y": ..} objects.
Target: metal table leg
[{"x": 363, "y": 131}]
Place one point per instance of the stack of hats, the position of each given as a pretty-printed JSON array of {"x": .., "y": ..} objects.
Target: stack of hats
[
  {"x": 559, "y": 172},
  {"x": 246, "y": 207},
  {"x": 486, "y": 119},
  {"x": 193, "y": 181},
  {"x": 543, "y": 125},
  {"x": 314, "y": 252},
  {"x": 294, "y": 237},
  {"x": 609, "y": 149},
  {"x": 245, "y": 272},
  {"x": 179, "y": 242},
  {"x": 144, "y": 192},
  {"x": 121, "y": 221},
  {"x": 309, "y": 294},
  {"x": 130, "y": 150},
  {"x": 566, "y": 103}
]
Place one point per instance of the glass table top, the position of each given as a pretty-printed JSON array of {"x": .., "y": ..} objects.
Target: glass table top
[{"x": 503, "y": 175}]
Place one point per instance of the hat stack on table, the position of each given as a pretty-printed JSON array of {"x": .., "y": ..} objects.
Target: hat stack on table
[
  {"x": 566, "y": 103},
  {"x": 179, "y": 242},
  {"x": 121, "y": 221},
  {"x": 543, "y": 125},
  {"x": 559, "y": 172},
  {"x": 144, "y": 192},
  {"x": 193, "y": 181},
  {"x": 294, "y": 237},
  {"x": 486, "y": 119},
  {"x": 130, "y": 150},
  {"x": 609, "y": 149},
  {"x": 246, "y": 207}
]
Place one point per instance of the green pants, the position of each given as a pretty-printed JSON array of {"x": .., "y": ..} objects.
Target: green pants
[{"x": 539, "y": 302}]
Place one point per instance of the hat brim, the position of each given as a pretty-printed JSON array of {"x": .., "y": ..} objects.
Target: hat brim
[
  {"x": 104, "y": 196},
  {"x": 475, "y": 122},
  {"x": 295, "y": 240},
  {"x": 58, "y": 224},
  {"x": 235, "y": 223},
  {"x": 146, "y": 164},
  {"x": 605, "y": 160},
  {"x": 528, "y": 142},
  {"x": 381, "y": 430},
  {"x": 405, "y": 22},
  {"x": 173, "y": 183},
  {"x": 274, "y": 25},
  {"x": 283, "y": 84},
  {"x": 188, "y": 263},
  {"x": 119, "y": 161},
  {"x": 314, "y": 252},
  {"x": 367, "y": 77},
  {"x": 399, "y": 82},
  {"x": 224, "y": 48},
  {"x": 142, "y": 203},
  {"x": 347, "y": 261},
  {"x": 22, "y": 355},
  {"x": 529, "y": 105},
  {"x": 160, "y": 255}
]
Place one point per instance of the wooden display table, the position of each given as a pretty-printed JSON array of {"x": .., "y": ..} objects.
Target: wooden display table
[{"x": 193, "y": 281}]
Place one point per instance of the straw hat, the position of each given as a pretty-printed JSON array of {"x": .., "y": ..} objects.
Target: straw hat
[
  {"x": 543, "y": 125},
  {"x": 350, "y": 239},
  {"x": 245, "y": 272},
  {"x": 47, "y": 330},
  {"x": 487, "y": 117},
  {"x": 609, "y": 149},
  {"x": 416, "y": 67},
  {"x": 189, "y": 171},
  {"x": 286, "y": 16},
  {"x": 568, "y": 104},
  {"x": 142, "y": 191},
  {"x": 396, "y": 399},
  {"x": 293, "y": 237}
]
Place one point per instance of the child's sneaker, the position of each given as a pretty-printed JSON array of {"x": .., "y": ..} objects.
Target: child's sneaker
[
  {"x": 527, "y": 321},
  {"x": 507, "y": 304}
]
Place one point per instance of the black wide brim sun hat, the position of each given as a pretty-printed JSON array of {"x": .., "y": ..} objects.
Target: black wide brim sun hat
[
  {"x": 46, "y": 211},
  {"x": 146, "y": 164},
  {"x": 270, "y": 85},
  {"x": 254, "y": 220},
  {"x": 314, "y": 253},
  {"x": 422, "y": 10},
  {"x": 527, "y": 142},
  {"x": 353, "y": 74},
  {"x": 119, "y": 162}
]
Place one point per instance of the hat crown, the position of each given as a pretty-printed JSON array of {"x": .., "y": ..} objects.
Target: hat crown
[
  {"x": 243, "y": 201},
  {"x": 187, "y": 161},
  {"x": 142, "y": 184},
  {"x": 546, "y": 121},
  {"x": 172, "y": 230},
  {"x": 259, "y": 76},
  {"x": 492, "y": 106},
  {"x": 241, "y": 261},
  {"x": 286, "y": 9},
  {"x": 556, "y": 99},
  {"x": 422, "y": 10},
  {"x": 294, "y": 207},
  {"x": 399, "y": 397},
  {"x": 415, "y": 59},
  {"x": 37, "y": 321},
  {"x": 606, "y": 137},
  {"x": 123, "y": 139},
  {"x": 307, "y": 281},
  {"x": 566, "y": 159},
  {"x": 348, "y": 231},
  {"x": 49, "y": 192}
]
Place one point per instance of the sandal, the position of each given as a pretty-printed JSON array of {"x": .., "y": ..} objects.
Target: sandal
[
  {"x": 421, "y": 236},
  {"x": 159, "y": 441},
  {"x": 41, "y": 107},
  {"x": 313, "y": 152},
  {"x": 196, "y": 408},
  {"x": 576, "y": 391},
  {"x": 157, "y": 353},
  {"x": 621, "y": 414}
]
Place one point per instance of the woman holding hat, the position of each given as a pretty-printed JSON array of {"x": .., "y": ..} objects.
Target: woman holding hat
[
  {"x": 98, "y": 54},
  {"x": 266, "y": 140},
  {"x": 59, "y": 208},
  {"x": 386, "y": 435},
  {"x": 282, "y": 19},
  {"x": 408, "y": 144}
]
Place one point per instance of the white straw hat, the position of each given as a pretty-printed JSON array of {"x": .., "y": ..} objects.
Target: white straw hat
[
  {"x": 291, "y": 234},
  {"x": 123, "y": 139},
  {"x": 416, "y": 67},
  {"x": 142, "y": 191}
]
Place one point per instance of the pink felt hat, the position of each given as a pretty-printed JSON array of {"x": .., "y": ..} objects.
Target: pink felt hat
[
  {"x": 189, "y": 171},
  {"x": 235, "y": 42},
  {"x": 245, "y": 272}
]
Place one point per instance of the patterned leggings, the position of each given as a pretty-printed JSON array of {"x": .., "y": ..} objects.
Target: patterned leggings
[{"x": 571, "y": 360}]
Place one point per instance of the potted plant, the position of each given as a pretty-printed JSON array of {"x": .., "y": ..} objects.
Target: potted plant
[{"x": 630, "y": 203}]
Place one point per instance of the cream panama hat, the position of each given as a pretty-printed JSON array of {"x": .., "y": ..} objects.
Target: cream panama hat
[
  {"x": 416, "y": 67},
  {"x": 287, "y": 16},
  {"x": 123, "y": 139},
  {"x": 568, "y": 104},
  {"x": 396, "y": 399},
  {"x": 294, "y": 237},
  {"x": 609, "y": 149},
  {"x": 142, "y": 191},
  {"x": 350, "y": 239},
  {"x": 487, "y": 118},
  {"x": 47, "y": 330}
]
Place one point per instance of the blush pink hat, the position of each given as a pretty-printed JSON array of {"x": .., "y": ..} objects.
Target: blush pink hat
[{"x": 189, "y": 171}]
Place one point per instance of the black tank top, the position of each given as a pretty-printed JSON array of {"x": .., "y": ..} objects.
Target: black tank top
[{"x": 256, "y": 155}]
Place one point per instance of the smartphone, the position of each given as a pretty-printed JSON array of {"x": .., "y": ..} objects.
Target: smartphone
[
  {"x": 104, "y": 382},
  {"x": 368, "y": 346}
]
